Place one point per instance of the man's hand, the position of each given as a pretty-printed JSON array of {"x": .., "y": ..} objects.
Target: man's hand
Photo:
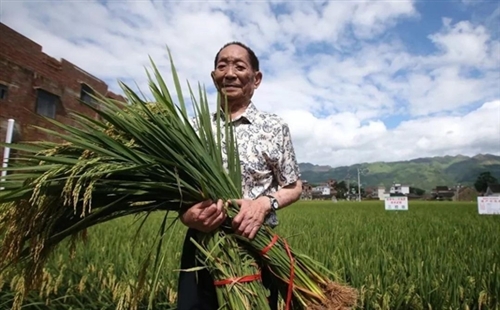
[
  {"x": 204, "y": 216},
  {"x": 251, "y": 216}
]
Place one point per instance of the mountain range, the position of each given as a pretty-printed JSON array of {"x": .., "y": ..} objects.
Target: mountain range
[{"x": 425, "y": 173}]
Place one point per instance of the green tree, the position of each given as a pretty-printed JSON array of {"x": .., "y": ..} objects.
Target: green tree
[
  {"x": 353, "y": 187},
  {"x": 341, "y": 189},
  {"x": 482, "y": 181},
  {"x": 417, "y": 191}
]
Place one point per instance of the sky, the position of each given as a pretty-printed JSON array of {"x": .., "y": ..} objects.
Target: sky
[{"x": 356, "y": 81}]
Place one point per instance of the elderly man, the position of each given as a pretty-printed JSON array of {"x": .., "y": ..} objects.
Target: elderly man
[{"x": 270, "y": 173}]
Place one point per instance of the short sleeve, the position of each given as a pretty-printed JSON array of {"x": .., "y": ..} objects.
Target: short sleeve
[{"x": 287, "y": 168}]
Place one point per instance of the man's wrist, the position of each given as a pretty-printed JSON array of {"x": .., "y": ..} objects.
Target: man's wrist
[
  {"x": 273, "y": 202},
  {"x": 266, "y": 204}
]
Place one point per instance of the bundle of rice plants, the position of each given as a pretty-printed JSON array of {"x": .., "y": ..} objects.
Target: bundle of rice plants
[{"x": 141, "y": 157}]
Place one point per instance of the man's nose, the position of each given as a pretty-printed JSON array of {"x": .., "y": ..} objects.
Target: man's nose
[{"x": 230, "y": 73}]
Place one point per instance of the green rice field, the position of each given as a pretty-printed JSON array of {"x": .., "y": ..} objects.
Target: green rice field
[{"x": 437, "y": 255}]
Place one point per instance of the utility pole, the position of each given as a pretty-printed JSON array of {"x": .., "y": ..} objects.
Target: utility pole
[
  {"x": 360, "y": 171},
  {"x": 359, "y": 187}
]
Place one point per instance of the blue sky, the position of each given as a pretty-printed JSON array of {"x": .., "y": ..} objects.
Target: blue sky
[{"x": 357, "y": 81}]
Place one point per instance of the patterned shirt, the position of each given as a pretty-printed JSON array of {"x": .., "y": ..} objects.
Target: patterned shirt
[{"x": 267, "y": 155}]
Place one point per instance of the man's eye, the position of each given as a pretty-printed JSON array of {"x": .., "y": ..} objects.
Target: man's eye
[{"x": 240, "y": 68}]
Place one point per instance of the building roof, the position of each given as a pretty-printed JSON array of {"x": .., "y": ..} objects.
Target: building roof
[
  {"x": 442, "y": 188},
  {"x": 494, "y": 188}
]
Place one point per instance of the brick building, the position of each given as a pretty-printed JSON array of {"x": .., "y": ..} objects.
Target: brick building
[{"x": 33, "y": 83}]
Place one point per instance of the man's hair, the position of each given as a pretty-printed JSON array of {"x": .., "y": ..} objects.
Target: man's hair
[{"x": 254, "y": 61}]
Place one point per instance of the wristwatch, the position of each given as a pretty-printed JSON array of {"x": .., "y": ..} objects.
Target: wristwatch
[{"x": 274, "y": 203}]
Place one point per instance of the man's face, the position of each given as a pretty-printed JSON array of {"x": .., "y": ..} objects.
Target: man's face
[{"x": 234, "y": 75}]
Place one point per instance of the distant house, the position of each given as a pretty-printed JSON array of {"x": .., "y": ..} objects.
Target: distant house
[
  {"x": 399, "y": 189},
  {"x": 321, "y": 191},
  {"x": 442, "y": 193},
  {"x": 466, "y": 193},
  {"x": 332, "y": 183},
  {"x": 381, "y": 194},
  {"x": 306, "y": 190},
  {"x": 371, "y": 192},
  {"x": 493, "y": 190}
]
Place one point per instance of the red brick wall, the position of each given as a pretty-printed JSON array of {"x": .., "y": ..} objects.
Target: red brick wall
[{"x": 24, "y": 68}]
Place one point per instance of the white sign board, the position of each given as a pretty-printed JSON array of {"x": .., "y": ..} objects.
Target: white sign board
[
  {"x": 396, "y": 203},
  {"x": 488, "y": 205}
]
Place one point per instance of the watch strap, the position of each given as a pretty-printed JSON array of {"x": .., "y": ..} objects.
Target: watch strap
[{"x": 274, "y": 202}]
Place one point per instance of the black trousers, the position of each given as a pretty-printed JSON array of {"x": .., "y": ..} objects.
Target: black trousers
[{"x": 196, "y": 290}]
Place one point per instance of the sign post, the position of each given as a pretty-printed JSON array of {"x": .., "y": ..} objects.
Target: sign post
[
  {"x": 396, "y": 203},
  {"x": 488, "y": 205}
]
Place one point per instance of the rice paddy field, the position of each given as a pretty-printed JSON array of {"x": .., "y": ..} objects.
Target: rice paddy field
[{"x": 439, "y": 255}]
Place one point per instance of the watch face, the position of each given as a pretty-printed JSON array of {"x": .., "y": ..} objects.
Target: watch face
[{"x": 274, "y": 202}]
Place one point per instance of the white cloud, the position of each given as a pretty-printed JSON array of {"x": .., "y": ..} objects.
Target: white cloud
[
  {"x": 463, "y": 44},
  {"x": 343, "y": 139},
  {"x": 373, "y": 17},
  {"x": 333, "y": 69},
  {"x": 445, "y": 90}
]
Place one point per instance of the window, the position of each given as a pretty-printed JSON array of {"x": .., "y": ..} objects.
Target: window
[
  {"x": 3, "y": 91},
  {"x": 86, "y": 95},
  {"x": 46, "y": 103}
]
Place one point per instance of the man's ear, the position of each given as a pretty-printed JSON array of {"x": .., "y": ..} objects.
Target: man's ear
[
  {"x": 213, "y": 80},
  {"x": 257, "y": 79}
]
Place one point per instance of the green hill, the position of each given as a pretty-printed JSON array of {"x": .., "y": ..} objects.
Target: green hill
[{"x": 425, "y": 173}]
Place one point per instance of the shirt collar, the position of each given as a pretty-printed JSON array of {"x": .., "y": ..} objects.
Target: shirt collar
[{"x": 250, "y": 114}]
